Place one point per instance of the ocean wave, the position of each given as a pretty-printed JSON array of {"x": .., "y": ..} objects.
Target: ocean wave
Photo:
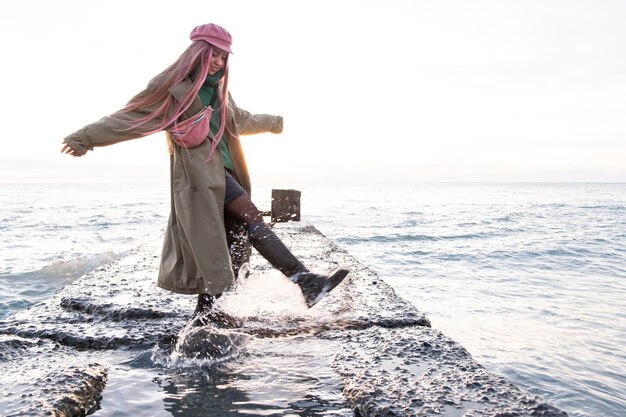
[
  {"x": 549, "y": 205},
  {"x": 62, "y": 269},
  {"x": 79, "y": 266},
  {"x": 410, "y": 223},
  {"x": 510, "y": 218},
  {"x": 407, "y": 237},
  {"x": 610, "y": 207},
  {"x": 22, "y": 289}
]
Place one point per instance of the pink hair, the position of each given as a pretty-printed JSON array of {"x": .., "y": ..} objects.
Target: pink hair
[{"x": 192, "y": 63}]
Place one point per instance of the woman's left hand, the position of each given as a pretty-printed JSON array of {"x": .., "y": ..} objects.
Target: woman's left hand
[{"x": 67, "y": 149}]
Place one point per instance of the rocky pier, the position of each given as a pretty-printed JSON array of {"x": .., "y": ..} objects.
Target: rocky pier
[{"x": 380, "y": 353}]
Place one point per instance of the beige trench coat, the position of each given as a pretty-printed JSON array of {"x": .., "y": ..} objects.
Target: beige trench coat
[{"x": 195, "y": 257}]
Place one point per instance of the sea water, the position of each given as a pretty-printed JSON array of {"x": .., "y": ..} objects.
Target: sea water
[{"x": 530, "y": 278}]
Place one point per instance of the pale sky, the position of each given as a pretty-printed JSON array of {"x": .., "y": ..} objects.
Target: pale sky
[{"x": 419, "y": 90}]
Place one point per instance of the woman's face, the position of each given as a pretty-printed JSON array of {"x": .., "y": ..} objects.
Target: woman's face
[{"x": 217, "y": 61}]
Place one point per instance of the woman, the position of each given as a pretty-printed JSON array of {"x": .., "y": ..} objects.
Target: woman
[{"x": 209, "y": 178}]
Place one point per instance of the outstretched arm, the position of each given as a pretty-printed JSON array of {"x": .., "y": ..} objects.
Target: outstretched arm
[
  {"x": 107, "y": 131},
  {"x": 250, "y": 124}
]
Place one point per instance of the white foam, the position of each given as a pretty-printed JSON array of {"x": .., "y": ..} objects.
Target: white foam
[
  {"x": 76, "y": 267},
  {"x": 265, "y": 294}
]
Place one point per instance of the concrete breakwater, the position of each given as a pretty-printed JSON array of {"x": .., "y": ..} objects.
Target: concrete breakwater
[{"x": 362, "y": 351}]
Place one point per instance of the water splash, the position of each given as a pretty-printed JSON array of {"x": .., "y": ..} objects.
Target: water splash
[
  {"x": 206, "y": 345},
  {"x": 269, "y": 295}
]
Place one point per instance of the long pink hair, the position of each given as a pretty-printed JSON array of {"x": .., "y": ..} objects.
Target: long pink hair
[{"x": 193, "y": 63}]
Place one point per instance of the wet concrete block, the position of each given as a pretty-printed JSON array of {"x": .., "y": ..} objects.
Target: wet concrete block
[
  {"x": 417, "y": 371},
  {"x": 55, "y": 355},
  {"x": 363, "y": 296},
  {"x": 117, "y": 305},
  {"x": 41, "y": 378},
  {"x": 111, "y": 311}
]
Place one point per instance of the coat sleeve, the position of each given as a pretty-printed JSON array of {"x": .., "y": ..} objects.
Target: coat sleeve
[
  {"x": 250, "y": 124},
  {"x": 108, "y": 131}
]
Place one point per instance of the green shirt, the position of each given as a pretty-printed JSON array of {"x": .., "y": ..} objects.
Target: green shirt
[{"x": 208, "y": 96}]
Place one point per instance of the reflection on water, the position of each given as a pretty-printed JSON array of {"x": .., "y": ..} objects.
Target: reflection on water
[
  {"x": 263, "y": 381},
  {"x": 286, "y": 376}
]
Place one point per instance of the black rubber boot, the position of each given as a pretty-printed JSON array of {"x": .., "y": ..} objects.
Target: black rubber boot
[
  {"x": 207, "y": 312},
  {"x": 271, "y": 248},
  {"x": 313, "y": 286},
  {"x": 205, "y": 303}
]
